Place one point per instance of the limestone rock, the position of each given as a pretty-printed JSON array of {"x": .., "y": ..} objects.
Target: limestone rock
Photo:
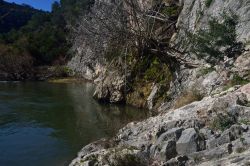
[
  {"x": 246, "y": 90},
  {"x": 188, "y": 142},
  {"x": 192, "y": 20},
  {"x": 110, "y": 88},
  {"x": 242, "y": 65},
  {"x": 152, "y": 96},
  {"x": 168, "y": 151}
]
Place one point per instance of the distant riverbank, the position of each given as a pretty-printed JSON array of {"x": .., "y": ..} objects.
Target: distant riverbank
[{"x": 40, "y": 73}]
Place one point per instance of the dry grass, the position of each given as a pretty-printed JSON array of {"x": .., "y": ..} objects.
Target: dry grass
[
  {"x": 138, "y": 97},
  {"x": 187, "y": 98},
  {"x": 64, "y": 80}
]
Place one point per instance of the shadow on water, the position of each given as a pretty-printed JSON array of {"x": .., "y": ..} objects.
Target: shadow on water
[{"x": 47, "y": 124}]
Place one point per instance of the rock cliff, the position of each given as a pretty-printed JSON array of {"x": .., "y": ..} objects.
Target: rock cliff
[{"x": 203, "y": 106}]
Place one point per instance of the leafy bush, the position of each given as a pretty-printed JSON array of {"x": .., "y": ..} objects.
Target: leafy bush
[
  {"x": 208, "y": 3},
  {"x": 157, "y": 72},
  {"x": 43, "y": 37}
]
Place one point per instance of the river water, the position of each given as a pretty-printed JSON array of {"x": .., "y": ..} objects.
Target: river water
[{"x": 46, "y": 124}]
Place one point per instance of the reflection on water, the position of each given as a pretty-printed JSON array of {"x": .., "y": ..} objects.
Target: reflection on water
[{"x": 46, "y": 124}]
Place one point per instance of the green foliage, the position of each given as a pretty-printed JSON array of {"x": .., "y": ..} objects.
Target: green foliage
[
  {"x": 74, "y": 8},
  {"x": 13, "y": 16},
  {"x": 209, "y": 43},
  {"x": 43, "y": 37},
  {"x": 62, "y": 71},
  {"x": 47, "y": 45},
  {"x": 37, "y": 38},
  {"x": 129, "y": 160},
  {"x": 170, "y": 10},
  {"x": 208, "y": 3},
  {"x": 157, "y": 72},
  {"x": 244, "y": 121},
  {"x": 222, "y": 122},
  {"x": 240, "y": 149},
  {"x": 14, "y": 61},
  {"x": 146, "y": 71},
  {"x": 236, "y": 80},
  {"x": 205, "y": 71}
]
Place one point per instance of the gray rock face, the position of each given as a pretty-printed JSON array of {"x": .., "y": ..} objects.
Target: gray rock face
[
  {"x": 227, "y": 136},
  {"x": 152, "y": 96},
  {"x": 110, "y": 88},
  {"x": 168, "y": 151},
  {"x": 89, "y": 44},
  {"x": 187, "y": 135},
  {"x": 88, "y": 69},
  {"x": 196, "y": 15},
  {"x": 242, "y": 65},
  {"x": 188, "y": 142},
  {"x": 178, "y": 136},
  {"x": 246, "y": 90},
  {"x": 172, "y": 134}
]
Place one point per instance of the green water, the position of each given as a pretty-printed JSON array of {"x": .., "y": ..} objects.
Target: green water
[{"x": 45, "y": 124}]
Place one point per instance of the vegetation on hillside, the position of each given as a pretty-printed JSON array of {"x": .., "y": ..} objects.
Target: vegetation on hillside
[
  {"x": 218, "y": 41},
  {"x": 35, "y": 36},
  {"x": 13, "y": 16}
]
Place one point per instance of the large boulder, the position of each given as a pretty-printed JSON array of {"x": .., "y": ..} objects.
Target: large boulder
[
  {"x": 189, "y": 142},
  {"x": 242, "y": 65},
  {"x": 246, "y": 90}
]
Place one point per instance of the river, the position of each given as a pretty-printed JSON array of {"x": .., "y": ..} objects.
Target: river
[{"x": 46, "y": 124}]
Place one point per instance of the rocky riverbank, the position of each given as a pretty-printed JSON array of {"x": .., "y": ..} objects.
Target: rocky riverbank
[
  {"x": 37, "y": 74},
  {"x": 212, "y": 131}
]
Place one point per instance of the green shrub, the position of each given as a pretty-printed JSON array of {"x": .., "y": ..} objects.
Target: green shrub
[
  {"x": 170, "y": 11},
  {"x": 208, "y": 43},
  {"x": 208, "y": 3},
  {"x": 240, "y": 150},
  {"x": 15, "y": 62},
  {"x": 245, "y": 121},
  {"x": 129, "y": 160},
  {"x": 222, "y": 122},
  {"x": 205, "y": 71},
  {"x": 237, "y": 80},
  {"x": 62, "y": 71},
  {"x": 157, "y": 72}
]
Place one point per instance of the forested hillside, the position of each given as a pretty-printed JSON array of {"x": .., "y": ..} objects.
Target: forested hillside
[
  {"x": 30, "y": 38},
  {"x": 13, "y": 16}
]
